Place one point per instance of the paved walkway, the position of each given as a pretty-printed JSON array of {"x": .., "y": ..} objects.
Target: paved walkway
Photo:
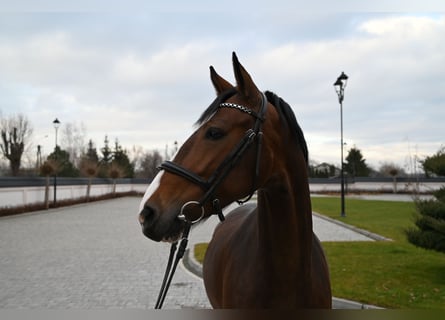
[{"x": 94, "y": 256}]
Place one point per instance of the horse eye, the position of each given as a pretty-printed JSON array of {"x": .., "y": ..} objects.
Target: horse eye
[{"x": 214, "y": 134}]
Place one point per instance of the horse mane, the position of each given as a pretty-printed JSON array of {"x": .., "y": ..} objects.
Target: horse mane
[{"x": 287, "y": 116}]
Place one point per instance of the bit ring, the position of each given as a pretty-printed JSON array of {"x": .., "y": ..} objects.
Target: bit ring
[{"x": 182, "y": 216}]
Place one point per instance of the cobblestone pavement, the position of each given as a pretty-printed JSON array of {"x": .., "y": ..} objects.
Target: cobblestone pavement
[{"x": 94, "y": 256}]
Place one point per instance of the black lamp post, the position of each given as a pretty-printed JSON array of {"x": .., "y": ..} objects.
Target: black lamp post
[
  {"x": 340, "y": 86},
  {"x": 56, "y": 124}
]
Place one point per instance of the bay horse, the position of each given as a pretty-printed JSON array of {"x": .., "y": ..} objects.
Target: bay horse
[{"x": 262, "y": 255}]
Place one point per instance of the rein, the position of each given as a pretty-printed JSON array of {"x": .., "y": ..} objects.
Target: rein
[
  {"x": 210, "y": 185},
  {"x": 172, "y": 265}
]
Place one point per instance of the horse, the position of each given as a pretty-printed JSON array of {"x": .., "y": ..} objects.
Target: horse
[{"x": 263, "y": 255}]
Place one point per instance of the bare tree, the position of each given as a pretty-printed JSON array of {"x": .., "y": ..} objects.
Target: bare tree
[
  {"x": 74, "y": 141},
  {"x": 392, "y": 170},
  {"x": 149, "y": 164},
  {"x": 115, "y": 172},
  {"x": 135, "y": 154},
  {"x": 90, "y": 169},
  {"x": 47, "y": 169},
  {"x": 15, "y": 132}
]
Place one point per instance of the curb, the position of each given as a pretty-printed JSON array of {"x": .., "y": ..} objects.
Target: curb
[
  {"x": 366, "y": 233},
  {"x": 192, "y": 265}
]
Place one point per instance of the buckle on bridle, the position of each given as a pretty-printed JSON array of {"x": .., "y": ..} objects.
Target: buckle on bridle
[{"x": 217, "y": 210}]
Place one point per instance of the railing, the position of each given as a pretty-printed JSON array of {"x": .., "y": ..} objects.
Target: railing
[
  {"x": 379, "y": 185},
  {"x": 19, "y": 191},
  {"x": 10, "y": 182},
  {"x": 16, "y": 192}
]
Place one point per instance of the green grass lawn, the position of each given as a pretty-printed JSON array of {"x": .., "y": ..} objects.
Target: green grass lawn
[{"x": 392, "y": 274}]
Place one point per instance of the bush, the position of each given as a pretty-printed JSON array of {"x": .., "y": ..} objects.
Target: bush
[
  {"x": 430, "y": 223},
  {"x": 440, "y": 194}
]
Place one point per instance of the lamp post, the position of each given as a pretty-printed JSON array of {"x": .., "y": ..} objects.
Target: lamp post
[
  {"x": 340, "y": 86},
  {"x": 56, "y": 124}
]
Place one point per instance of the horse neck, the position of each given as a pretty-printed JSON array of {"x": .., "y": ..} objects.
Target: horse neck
[{"x": 285, "y": 218}]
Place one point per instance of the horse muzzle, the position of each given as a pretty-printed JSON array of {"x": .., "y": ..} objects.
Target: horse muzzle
[{"x": 158, "y": 227}]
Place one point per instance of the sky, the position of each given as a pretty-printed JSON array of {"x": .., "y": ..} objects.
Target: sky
[{"x": 139, "y": 71}]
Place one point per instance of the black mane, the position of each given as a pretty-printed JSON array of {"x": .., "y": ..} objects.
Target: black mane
[{"x": 287, "y": 116}]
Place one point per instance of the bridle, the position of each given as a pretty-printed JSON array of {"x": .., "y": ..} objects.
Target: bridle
[{"x": 211, "y": 184}]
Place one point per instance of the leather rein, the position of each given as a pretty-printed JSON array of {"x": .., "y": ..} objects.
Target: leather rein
[{"x": 211, "y": 184}]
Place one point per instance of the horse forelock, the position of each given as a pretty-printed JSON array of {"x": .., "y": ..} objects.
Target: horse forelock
[
  {"x": 208, "y": 113},
  {"x": 288, "y": 117}
]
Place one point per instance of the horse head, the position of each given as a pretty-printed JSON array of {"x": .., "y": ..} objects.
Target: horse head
[{"x": 218, "y": 164}]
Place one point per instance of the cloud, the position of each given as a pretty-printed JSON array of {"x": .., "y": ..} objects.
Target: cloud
[
  {"x": 145, "y": 81},
  {"x": 396, "y": 69}
]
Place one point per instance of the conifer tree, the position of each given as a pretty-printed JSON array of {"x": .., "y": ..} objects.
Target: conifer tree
[
  {"x": 65, "y": 167},
  {"x": 430, "y": 223},
  {"x": 120, "y": 159},
  {"x": 107, "y": 154},
  {"x": 91, "y": 154},
  {"x": 435, "y": 164},
  {"x": 355, "y": 164}
]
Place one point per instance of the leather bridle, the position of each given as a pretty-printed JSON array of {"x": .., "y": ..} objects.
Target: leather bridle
[{"x": 210, "y": 185}]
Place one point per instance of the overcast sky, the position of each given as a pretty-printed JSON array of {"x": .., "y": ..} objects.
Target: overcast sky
[{"x": 140, "y": 74}]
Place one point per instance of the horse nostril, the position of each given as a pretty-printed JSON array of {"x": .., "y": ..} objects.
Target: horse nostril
[
  {"x": 141, "y": 219},
  {"x": 146, "y": 216}
]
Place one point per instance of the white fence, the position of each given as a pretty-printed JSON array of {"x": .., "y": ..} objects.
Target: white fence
[
  {"x": 20, "y": 196},
  {"x": 379, "y": 186}
]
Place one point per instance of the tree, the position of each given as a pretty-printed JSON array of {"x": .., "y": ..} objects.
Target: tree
[
  {"x": 66, "y": 167},
  {"x": 73, "y": 140},
  {"x": 89, "y": 166},
  {"x": 105, "y": 160},
  {"x": 149, "y": 164},
  {"x": 392, "y": 170},
  {"x": 135, "y": 155},
  {"x": 121, "y": 160},
  {"x": 91, "y": 153},
  {"x": 115, "y": 172},
  {"x": 107, "y": 154},
  {"x": 15, "y": 132},
  {"x": 47, "y": 169},
  {"x": 355, "y": 164},
  {"x": 435, "y": 164},
  {"x": 90, "y": 169},
  {"x": 430, "y": 223}
]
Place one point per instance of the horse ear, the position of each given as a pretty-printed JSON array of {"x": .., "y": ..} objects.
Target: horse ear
[
  {"x": 219, "y": 82},
  {"x": 245, "y": 84}
]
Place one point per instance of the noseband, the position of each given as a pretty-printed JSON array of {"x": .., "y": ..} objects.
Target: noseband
[{"x": 210, "y": 185}]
